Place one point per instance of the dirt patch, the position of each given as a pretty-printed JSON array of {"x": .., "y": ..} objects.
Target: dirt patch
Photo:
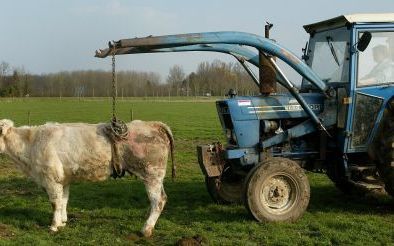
[
  {"x": 17, "y": 192},
  {"x": 6, "y": 231},
  {"x": 134, "y": 237},
  {"x": 191, "y": 241}
]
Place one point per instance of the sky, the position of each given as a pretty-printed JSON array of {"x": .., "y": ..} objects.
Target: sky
[{"x": 47, "y": 36}]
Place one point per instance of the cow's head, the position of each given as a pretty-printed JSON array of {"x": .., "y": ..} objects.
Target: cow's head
[{"x": 5, "y": 126}]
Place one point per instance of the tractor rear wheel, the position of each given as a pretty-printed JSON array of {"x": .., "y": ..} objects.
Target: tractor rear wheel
[
  {"x": 382, "y": 150},
  {"x": 225, "y": 189},
  {"x": 276, "y": 190}
]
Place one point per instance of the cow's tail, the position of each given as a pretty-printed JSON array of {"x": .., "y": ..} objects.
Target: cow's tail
[{"x": 168, "y": 132}]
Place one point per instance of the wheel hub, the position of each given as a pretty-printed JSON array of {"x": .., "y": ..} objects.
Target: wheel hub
[{"x": 277, "y": 193}]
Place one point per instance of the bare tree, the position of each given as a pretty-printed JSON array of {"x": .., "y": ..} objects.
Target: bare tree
[
  {"x": 175, "y": 77},
  {"x": 215, "y": 78},
  {"x": 4, "y": 70}
]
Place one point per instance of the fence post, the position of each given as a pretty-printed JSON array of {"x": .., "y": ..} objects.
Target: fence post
[
  {"x": 28, "y": 117},
  {"x": 131, "y": 114}
]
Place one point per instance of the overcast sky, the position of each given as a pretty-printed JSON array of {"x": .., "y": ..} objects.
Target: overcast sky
[{"x": 47, "y": 36}]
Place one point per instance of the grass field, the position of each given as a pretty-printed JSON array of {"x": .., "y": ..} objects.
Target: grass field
[{"x": 112, "y": 212}]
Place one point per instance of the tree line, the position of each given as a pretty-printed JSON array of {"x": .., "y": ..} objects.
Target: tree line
[{"x": 210, "y": 79}]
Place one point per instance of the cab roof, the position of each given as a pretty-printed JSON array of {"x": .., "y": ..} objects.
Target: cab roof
[{"x": 343, "y": 20}]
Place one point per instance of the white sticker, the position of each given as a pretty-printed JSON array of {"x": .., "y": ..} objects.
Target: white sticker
[
  {"x": 244, "y": 102},
  {"x": 293, "y": 101}
]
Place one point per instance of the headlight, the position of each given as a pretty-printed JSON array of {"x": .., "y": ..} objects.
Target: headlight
[
  {"x": 232, "y": 138},
  {"x": 228, "y": 133}
]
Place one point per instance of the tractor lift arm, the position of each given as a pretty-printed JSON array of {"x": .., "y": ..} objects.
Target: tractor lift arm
[
  {"x": 240, "y": 53},
  {"x": 266, "y": 45}
]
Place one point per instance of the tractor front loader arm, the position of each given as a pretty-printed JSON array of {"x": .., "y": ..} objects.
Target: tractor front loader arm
[
  {"x": 266, "y": 45},
  {"x": 240, "y": 53}
]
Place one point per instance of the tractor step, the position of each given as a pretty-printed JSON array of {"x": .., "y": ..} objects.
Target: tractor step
[
  {"x": 371, "y": 179},
  {"x": 367, "y": 186},
  {"x": 362, "y": 168}
]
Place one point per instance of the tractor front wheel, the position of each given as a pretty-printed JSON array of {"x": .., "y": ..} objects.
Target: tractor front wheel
[{"x": 276, "y": 190}]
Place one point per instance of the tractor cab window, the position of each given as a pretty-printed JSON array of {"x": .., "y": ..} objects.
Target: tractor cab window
[
  {"x": 329, "y": 56},
  {"x": 376, "y": 62}
]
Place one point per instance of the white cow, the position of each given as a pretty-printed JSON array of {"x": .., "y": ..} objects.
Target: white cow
[{"x": 55, "y": 155}]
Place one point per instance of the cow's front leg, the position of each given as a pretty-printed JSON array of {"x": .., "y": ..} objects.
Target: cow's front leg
[
  {"x": 66, "y": 190},
  {"x": 55, "y": 193},
  {"x": 157, "y": 199}
]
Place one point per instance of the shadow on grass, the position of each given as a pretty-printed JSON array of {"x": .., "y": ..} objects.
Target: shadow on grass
[
  {"x": 326, "y": 198},
  {"x": 188, "y": 201},
  {"x": 26, "y": 216}
]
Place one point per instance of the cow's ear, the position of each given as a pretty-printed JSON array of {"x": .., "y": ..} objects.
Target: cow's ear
[{"x": 5, "y": 126}]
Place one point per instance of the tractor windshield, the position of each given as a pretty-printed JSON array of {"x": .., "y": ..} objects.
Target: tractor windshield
[{"x": 329, "y": 55}]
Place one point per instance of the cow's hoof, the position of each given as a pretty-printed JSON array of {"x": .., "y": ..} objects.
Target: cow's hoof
[
  {"x": 63, "y": 224},
  {"x": 147, "y": 232},
  {"x": 53, "y": 229}
]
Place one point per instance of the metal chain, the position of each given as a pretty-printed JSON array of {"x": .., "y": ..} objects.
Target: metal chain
[
  {"x": 114, "y": 86},
  {"x": 118, "y": 128}
]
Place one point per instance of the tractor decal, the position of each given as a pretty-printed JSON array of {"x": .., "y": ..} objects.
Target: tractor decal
[{"x": 290, "y": 108}]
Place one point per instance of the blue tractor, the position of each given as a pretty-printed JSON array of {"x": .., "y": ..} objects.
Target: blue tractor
[{"x": 339, "y": 121}]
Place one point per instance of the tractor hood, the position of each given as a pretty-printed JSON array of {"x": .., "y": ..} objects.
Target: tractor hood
[
  {"x": 269, "y": 108},
  {"x": 243, "y": 115}
]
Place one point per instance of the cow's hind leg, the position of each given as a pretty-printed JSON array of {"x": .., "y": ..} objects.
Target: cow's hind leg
[
  {"x": 55, "y": 194},
  {"x": 158, "y": 199},
  {"x": 66, "y": 190}
]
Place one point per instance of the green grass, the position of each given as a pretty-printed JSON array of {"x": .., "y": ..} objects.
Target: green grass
[{"x": 112, "y": 212}]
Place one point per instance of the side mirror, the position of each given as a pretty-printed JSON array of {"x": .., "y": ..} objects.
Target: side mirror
[
  {"x": 231, "y": 93},
  {"x": 363, "y": 42}
]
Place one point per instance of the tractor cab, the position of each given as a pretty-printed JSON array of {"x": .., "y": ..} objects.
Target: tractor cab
[{"x": 355, "y": 55}]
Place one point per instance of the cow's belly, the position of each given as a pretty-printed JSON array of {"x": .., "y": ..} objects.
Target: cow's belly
[
  {"x": 89, "y": 166},
  {"x": 90, "y": 171}
]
